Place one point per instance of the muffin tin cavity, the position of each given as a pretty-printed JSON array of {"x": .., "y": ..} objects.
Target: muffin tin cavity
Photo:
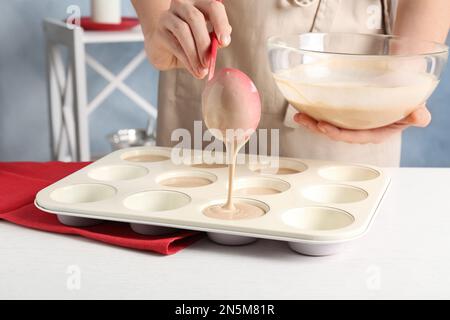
[
  {"x": 186, "y": 179},
  {"x": 145, "y": 155},
  {"x": 334, "y": 193},
  {"x": 149, "y": 230},
  {"x": 156, "y": 200},
  {"x": 77, "y": 221},
  {"x": 81, "y": 193},
  {"x": 117, "y": 173},
  {"x": 316, "y": 249},
  {"x": 252, "y": 186},
  {"x": 281, "y": 167},
  {"x": 229, "y": 239},
  {"x": 348, "y": 173},
  {"x": 317, "y": 218},
  {"x": 209, "y": 165},
  {"x": 208, "y": 160},
  {"x": 201, "y": 159}
]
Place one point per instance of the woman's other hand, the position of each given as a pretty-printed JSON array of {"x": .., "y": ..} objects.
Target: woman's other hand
[
  {"x": 180, "y": 37},
  {"x": 419, "y": 118}
]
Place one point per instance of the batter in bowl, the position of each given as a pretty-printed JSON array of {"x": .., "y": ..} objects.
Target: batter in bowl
[{"x": 355, "y": 96}]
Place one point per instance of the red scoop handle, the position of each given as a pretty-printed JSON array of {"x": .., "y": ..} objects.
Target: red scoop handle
[{"x": 213, "y": 54}]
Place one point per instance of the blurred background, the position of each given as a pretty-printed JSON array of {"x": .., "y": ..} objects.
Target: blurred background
[{"x": 24, "y": 120}]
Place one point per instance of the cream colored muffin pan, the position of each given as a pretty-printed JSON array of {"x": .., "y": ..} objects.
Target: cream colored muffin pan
[{"x": 318, "y": 207}]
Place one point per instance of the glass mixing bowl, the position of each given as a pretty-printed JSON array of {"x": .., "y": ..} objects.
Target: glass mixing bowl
[{"x": 355, "y": 81}]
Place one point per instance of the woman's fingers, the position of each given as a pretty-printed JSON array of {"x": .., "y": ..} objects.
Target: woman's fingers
[
  {"x": 419, "y": 118},
  {"x": 186, "y": 22},
  {"x": 217, "y": 15},
  {"x": 307, "y": 122},
  {"x": 172, "y": 44},
  {"x": 182, "y": 32},
  {"x": 377, "y": 135},
  {"x": 197, "y": 24}
]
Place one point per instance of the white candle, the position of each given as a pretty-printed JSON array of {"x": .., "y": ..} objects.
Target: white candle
[{"x": 106, "y": 11}]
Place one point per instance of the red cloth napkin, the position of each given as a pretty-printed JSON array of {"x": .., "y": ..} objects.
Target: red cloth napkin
[{"x": 19, "y": 183}]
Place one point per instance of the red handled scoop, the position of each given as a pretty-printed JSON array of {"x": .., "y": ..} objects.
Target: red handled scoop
[{"x": 230, "y": 100}]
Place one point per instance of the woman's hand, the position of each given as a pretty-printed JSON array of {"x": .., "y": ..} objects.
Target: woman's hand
[
  {"x": 419, "y": 118},
  {"x": 180, "y": 37}
]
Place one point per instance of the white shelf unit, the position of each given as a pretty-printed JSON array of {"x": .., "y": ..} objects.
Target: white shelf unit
[{"x": 69, "y": 108}]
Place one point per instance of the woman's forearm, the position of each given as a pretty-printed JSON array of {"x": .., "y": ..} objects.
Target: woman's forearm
[
  {"x": 148, "y": 12},
  {"x": 423, "y": 19}
]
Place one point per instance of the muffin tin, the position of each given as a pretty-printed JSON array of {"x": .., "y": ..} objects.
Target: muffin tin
[{"x": 316, "y": 206}]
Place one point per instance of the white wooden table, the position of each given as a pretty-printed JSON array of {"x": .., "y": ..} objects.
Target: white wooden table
[
  {"x": 405, "y": 255},
  {"x": 69, "y": 108}
]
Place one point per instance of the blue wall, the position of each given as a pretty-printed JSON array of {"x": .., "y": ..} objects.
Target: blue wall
[
  {"x": 23, "y": 100},
  {"x": 430, "y": 146},
  {"x": 24, "y": 132}
]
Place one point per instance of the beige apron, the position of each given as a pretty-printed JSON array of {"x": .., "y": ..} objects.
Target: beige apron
[{"x": 253, "y": 21}]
